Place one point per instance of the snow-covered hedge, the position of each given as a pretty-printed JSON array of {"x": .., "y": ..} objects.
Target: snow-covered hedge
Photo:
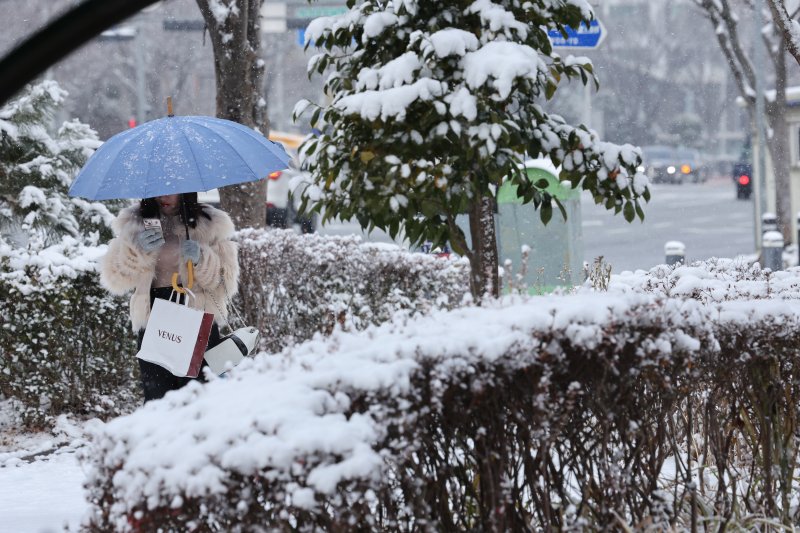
[
  {"x": 714, "y": 280},
  {"x": 65, "y": 344},
  {"x": 589, "y": 411},
  {"x": 294, "y": 286}
]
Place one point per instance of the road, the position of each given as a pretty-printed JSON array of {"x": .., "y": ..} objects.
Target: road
[{"x": 706, "y": 217}]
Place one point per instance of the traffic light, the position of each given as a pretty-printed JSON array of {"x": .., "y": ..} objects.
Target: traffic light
[{"x": 743, "y": 176}]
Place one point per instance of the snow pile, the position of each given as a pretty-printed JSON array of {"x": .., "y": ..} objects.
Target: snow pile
[{"x": 314, "y": 429}]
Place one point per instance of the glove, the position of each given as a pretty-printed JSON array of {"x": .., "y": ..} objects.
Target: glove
[
  {"x": 190, "y": 251},
  {"x": 150, "y": 239}
]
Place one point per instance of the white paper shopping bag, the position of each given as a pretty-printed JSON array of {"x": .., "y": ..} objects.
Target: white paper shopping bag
[{"x": 176, "y": 337}]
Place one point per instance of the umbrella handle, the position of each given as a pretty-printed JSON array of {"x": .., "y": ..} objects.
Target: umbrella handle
[{"x": 190, "y": 269}]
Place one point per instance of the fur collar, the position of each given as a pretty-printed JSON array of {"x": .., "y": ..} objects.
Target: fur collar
[{"x": 219, "y": 227}]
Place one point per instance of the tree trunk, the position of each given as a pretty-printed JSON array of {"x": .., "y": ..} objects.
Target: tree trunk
[
  {"x": 236, "y": 40},
  {"x": 778, "y": 145},
  {"x": 483, "y": 255}
]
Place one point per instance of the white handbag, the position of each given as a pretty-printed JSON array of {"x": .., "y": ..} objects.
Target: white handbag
[{"x": 232, "y": 350}]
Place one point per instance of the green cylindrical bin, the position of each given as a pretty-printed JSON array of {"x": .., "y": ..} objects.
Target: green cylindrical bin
[{"x": 556, "y": 250}]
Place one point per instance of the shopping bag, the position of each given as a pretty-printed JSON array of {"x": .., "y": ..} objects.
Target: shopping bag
[{"x": 176, "y": 336}]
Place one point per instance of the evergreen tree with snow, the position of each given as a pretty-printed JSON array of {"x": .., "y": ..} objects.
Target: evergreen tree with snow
[
  {"x": 37, "y": 167},
  {"x": 435, "y": 104}
]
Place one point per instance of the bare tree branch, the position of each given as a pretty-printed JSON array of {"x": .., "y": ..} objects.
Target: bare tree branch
[
  {"x": 732, "y": 27},
  {"x": 725, "y": 39},
  {"x": 787, "y": 26}
]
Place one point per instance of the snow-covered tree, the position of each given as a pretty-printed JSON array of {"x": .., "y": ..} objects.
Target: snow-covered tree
[
  {"x": 37, "y": 167},
  {"x": 433, "y": 105}
]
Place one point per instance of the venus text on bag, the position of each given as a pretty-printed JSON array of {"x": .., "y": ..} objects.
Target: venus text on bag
[{"x": 170, "y": 336}]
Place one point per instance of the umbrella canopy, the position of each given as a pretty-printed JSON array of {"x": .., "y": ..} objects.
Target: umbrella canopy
[{"x": 174, "y": 155}]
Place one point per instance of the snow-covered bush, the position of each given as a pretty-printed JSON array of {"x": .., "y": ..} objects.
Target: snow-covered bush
[
  {"x": 294, "y": 286},
  {"x": 714, "y": 280},
  {"x": 591, "y": 411},
  {"x": 65, "y": 343}
]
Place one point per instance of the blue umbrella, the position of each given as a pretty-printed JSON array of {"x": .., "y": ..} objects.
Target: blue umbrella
[{"x": 174, "y": 155}]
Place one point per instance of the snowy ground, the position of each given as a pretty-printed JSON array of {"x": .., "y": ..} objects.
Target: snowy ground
[{"x": 41, "y": 479}]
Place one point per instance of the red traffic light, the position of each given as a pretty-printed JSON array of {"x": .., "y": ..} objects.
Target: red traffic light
[
  {"x": 744, "y": 179},
  {"x": 131, "y": 122}
]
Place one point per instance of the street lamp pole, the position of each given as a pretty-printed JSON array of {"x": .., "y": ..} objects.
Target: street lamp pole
[
  {"x": 760, "y": 203},
  {"x": 141, "y": 102}
]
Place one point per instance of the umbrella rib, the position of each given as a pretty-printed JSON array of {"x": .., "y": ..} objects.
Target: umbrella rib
[
  {"x": 229, "y": 144},
  {"x": 194, "y": 158},
  {"x": 156, "y": 140},
  {"x": 134, "y": 136}
]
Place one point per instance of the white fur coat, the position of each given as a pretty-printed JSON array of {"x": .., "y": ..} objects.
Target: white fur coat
[{"x": 127, "y": 267}]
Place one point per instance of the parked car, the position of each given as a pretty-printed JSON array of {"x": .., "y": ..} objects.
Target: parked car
[
  {"x": 689, "y": 163},
  {"x": 667, "y": 164},
  {"x": 659, "y": 163}
]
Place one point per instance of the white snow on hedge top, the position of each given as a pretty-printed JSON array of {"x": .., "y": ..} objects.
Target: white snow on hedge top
[
  {"x": 286, "y": 416},
  {"x": 716, "y": 280}
]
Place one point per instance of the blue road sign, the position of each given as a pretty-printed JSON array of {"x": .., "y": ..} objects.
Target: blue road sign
[{"x": 583, "y": 37}]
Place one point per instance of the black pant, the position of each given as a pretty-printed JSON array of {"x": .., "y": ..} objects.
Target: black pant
[{"x": 157, "y": 380}]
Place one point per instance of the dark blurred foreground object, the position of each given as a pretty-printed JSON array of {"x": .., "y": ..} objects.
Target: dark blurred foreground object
[{"x": 58, "y": 39}]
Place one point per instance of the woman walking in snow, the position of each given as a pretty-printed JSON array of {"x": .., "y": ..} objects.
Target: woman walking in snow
[{"x": 144, "y": 259}]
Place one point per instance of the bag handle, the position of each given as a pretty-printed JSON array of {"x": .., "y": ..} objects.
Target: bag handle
[
  {"x": 189, "y": 282},
  {"x": 176, "y": 293}
]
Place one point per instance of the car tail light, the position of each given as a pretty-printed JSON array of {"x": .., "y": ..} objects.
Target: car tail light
[
  {"x": 275, "y": 175},
  {"x": 270, "y": 205},
  {"x": 686, "y": 169},
  {"x": 744, "y": 179}
]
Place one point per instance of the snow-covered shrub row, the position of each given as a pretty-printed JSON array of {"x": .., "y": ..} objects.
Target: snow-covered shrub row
[
  {"x": 564, "y": 412},
  {"x": 65, "y": 343},
  {"x": 710, "y": 281},
  {"x": 293, "y": 286}
]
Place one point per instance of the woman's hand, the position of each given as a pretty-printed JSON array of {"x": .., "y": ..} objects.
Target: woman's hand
[
  {"x": 150, "y": 239},
  {"x": 190, "y": 251}
]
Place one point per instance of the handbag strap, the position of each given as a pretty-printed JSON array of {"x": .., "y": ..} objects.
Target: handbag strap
[{"x": 228, "y": 302}]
